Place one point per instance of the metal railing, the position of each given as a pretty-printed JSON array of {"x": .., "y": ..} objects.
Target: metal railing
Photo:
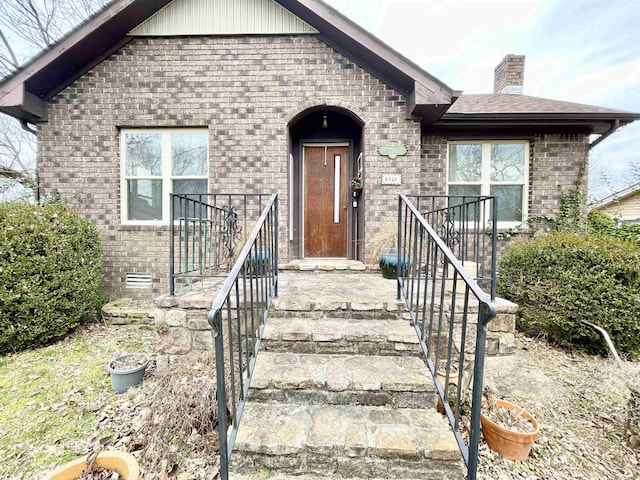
[
  {"x": 206, "y": 234},
  {"x": 464, "y": 223},
  {"x": 238, "y": 317},
  {"x": 449, "y": 312}
]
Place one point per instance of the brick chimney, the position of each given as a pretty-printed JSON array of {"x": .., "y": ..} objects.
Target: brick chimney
[{"x": 509, "y": 75}]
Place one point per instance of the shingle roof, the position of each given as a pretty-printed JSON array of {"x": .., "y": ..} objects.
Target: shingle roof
[{"x": 503, "y": 103}]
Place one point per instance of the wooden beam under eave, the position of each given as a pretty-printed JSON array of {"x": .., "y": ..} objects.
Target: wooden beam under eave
[
  {"x": 426, "y": 105},
  {"x": 19, "y": 100},
  {"x": 35, "y": 106}
]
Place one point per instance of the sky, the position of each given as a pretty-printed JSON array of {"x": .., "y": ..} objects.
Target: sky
[{"x": 585, "y": 51}]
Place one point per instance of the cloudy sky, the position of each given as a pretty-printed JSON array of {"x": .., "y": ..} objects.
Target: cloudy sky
[{"x": 585, "y": 51}]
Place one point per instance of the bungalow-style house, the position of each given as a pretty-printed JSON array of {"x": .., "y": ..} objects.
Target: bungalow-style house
[
  {"x": 623, "y": 205},
  {"x": 149, "y": 97}
]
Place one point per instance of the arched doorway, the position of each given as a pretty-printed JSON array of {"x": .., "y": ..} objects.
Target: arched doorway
[{"x": 326, "y": 154}]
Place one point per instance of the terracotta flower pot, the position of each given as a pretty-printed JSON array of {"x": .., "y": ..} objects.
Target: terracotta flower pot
[
  {"x": 510, "y": 444},
  {"x": 453, "y": 380},
  {"x": 121, "y": 462}
]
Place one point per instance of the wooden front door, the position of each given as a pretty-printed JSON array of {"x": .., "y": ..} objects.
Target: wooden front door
[{"x": 326, "y": 189}]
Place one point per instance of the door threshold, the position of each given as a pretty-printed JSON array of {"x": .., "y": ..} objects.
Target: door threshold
[{"x": 324, "y": 264}]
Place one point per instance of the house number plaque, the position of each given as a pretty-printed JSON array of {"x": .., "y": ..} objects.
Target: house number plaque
[{"x": 391, "y": 179}]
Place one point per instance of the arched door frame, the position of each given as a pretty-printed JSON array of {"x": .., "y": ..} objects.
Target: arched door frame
[{"x": 352, "y": 137}]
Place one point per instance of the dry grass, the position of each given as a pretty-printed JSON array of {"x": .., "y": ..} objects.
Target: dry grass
[
  {"x": 169, "y": 423},
  {"x": 580, "y": 403}
]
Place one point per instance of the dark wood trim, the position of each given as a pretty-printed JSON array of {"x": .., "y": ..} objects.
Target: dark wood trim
[
  {"x": 531, "y": 116},
  {"x": 517, "y": 126},
  {"x": 490, "y": 136},
  {"x": 29, "y": 106}
]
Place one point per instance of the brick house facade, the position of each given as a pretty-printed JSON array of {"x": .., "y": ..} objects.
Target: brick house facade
[{"x": 257, "y": 97}]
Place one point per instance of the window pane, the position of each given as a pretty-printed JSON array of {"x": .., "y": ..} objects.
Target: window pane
[
  {"x": 465, "y": 162},
  {"x": 469, "y": 213},
  {"x": 144, "y": 201},
  {"x": 192, "y": 209},
  {"x": 189, "y": 154},
  {"x": 509, "y": 202},
  {"x": 190, "y": 186},
  {"x": 507, "y": 162},
  {"x": 143, "y": 154},
  {"x": 463, "y": 190}
]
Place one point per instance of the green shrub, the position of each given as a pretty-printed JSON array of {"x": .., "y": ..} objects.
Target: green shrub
[
  {"x": 560, "y": 279},
  {"x": 50, "y": 273},
  {"x": 600, "y": 222},
  {"x": 603, "y": 224}
]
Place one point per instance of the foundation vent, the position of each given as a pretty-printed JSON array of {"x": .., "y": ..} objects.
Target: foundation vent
[{"x": 138, "y": 280}]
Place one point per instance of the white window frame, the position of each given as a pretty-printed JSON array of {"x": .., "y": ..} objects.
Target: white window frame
[
  {"x": 485, "y": 175},
  {"x": 167, "y": 177}
]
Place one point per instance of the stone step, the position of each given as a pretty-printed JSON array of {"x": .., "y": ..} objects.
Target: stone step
[
  {"x": 326, "y": 265},
  {"x": 332, "y": 335},
  {"x": 342, "y": 380},
  {"x": 358, "y": 295},
  {"x": 307, "y": 305},
  {"x": 346, "y": 442},
  {"x": 266, "y": 474}
]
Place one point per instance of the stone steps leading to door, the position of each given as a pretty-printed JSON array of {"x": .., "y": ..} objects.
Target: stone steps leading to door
[{"x": 340, "y": 389}]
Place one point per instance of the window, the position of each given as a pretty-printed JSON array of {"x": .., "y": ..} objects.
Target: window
[
  {"x": 156, "y": 163},
  {"x": 498, "y": 169}
]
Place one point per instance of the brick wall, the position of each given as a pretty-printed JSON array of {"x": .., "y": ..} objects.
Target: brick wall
[
  {"x": 555, "y": 165},
  {"x": 244, "y": 89}
]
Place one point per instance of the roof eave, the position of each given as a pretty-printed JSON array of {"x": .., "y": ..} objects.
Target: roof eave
[
  {"x": 55, "y": 68},
  {"x": 633, "y": 190},
  {"x": 20, "y": 103},
  {"x": 597, "y": 122}
]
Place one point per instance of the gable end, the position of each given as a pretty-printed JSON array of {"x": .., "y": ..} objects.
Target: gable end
[{"x": 222, "y": 17}]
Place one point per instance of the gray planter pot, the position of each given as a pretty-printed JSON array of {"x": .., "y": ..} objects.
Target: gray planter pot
[{"x": 122, "y": 380}]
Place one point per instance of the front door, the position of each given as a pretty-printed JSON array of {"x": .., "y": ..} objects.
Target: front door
[{"x": 325, "y": 200}]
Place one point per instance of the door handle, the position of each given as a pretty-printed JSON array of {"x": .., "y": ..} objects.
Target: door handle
[{"x": 344, "y": 208}]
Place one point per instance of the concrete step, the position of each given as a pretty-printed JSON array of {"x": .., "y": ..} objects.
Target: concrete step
[
  {"x": 342, "y": 380},
  {"x": 332, "y": 335},
  {"x": 346, "y": 442}
]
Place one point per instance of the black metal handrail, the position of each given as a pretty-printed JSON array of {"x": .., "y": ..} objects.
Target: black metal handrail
[
  {"x": 448, "y": 309},
  {"x": 206, "y": 234},
  {"x": 465, "y": 223},
  {"x": 238, "y": 316}
]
